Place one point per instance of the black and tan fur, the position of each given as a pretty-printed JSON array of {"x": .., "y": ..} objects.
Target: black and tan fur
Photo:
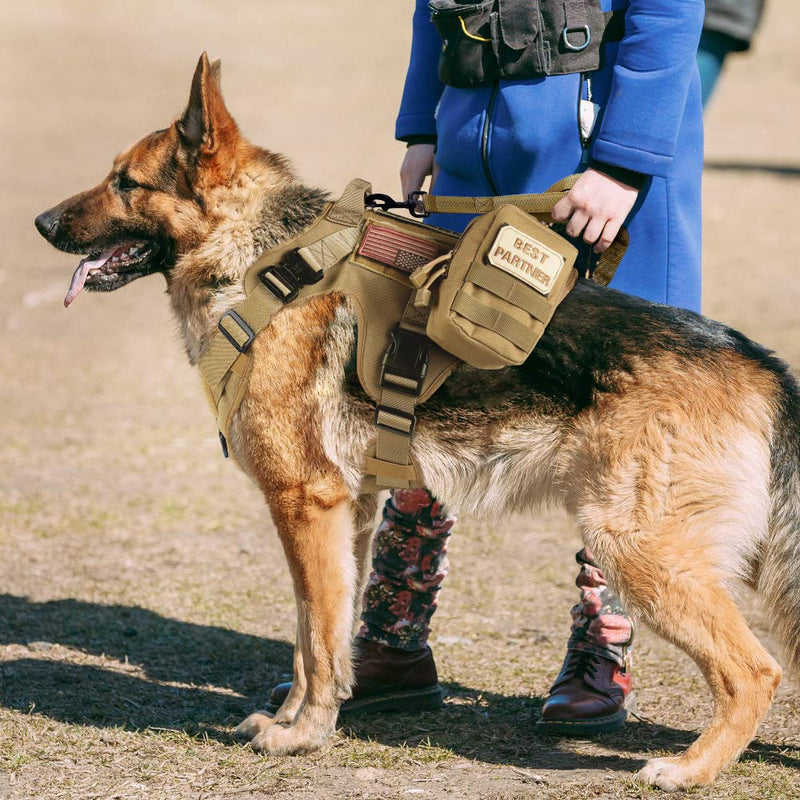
[{"x": 673, "y": 440}]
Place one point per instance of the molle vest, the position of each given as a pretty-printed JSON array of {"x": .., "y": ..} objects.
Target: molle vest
[
  {"x": 425, "y": 299},
  {"x": 517, "y": 39}
]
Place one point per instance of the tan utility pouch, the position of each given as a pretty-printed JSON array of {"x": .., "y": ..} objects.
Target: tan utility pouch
[{"x": 504, "y": 280}]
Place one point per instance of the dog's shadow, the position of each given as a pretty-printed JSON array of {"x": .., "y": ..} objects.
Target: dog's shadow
[
  {"x": 174, "y": 674},
  {"x": 203, "y": 679}
]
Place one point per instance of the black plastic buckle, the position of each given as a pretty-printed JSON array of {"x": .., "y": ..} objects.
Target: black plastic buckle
[
  {"x": 406, "y": 361},
  {"x": 242, "y": 348},
  {"x": 304, "y": 273},
  {"x": 292, "y": 272},
  {"x": 415, "y": 204},
  {"x": 395, "y": 412},
  {"x": 223, "y": 444},
  {"x": 283, "y": 277}
]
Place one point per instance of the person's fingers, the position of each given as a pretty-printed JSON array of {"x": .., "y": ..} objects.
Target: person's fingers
[
  {"x": 577, "y": 222},
  {"x": 411, "y": 179},
  {"x": 562, "y": 209},
  {"x": 416, "y": 166},
  {"x": 594, "y": 229},
  {"x": 434, "y": 175},
  {"x": 608, "y": 235}
]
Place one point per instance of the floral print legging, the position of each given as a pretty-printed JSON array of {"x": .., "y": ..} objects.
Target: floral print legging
[{"x": 410, "y": 562}]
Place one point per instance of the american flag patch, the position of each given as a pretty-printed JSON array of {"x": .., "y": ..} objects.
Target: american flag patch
[{"x": 397, "y": 249}]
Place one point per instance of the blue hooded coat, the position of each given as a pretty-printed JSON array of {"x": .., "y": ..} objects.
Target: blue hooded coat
[{"x": 522, "y": 136}]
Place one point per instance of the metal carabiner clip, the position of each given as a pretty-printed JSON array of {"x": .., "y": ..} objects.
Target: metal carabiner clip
[{"x": 415, "y": 205}]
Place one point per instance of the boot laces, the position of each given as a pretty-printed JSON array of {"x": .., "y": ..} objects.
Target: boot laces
[{"x": 582, "y": 663}]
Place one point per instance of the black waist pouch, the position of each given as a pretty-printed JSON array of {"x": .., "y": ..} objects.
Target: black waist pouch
[
  {"x": 517, "y": 39},
  {"x": 468, "y": 32}
]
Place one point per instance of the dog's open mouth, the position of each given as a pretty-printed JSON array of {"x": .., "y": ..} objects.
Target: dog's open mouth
[{"x": 112, "y": 268}]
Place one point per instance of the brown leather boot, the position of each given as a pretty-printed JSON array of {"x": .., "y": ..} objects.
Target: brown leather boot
[
  {"x": 387, "y": 679},
  {"x": 591, "y": 695}
]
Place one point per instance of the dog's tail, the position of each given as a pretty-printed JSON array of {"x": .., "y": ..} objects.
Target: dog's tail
[{"x": 779, "y": 576}]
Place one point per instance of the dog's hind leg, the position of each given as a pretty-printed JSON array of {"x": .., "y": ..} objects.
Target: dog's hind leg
[
  {"x": 672, "y": 494},
  {"x": 316, "y": 529},
  {"x": 669, "y": 579}
]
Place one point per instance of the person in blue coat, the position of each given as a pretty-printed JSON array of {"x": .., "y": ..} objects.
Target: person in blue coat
[{"x": 641, "y": 164}]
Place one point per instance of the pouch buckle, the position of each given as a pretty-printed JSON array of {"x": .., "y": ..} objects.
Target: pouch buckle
[{"x": 405, "y": 362}]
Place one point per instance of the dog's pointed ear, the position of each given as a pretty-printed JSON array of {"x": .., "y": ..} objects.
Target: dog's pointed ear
[
  {"x": 206, "y": 124},
  {"x": 216, "y": 72}
]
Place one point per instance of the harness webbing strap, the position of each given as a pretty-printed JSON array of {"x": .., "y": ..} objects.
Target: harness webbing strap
[
  {"x": 326, "y": 252},
  {"x": 541, "y": 203},
  {"x": 390, "y": 460}
]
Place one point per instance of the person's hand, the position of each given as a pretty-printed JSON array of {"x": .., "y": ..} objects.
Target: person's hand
[
  {"x": 419, "y": 162},
  {"x": 595, "y": 208}
]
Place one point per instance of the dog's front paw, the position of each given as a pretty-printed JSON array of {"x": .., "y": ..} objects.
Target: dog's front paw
[
  {"x": 670, "y": 774},
  {"x": 257, "y": 722},
  {"x": 280, "y": 740}
]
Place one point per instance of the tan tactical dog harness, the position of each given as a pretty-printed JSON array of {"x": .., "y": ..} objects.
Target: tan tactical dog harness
[{"x": 489, "y": 311}]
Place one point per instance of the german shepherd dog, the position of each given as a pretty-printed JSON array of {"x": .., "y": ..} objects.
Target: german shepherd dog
[{"x": 672, "y": 440}]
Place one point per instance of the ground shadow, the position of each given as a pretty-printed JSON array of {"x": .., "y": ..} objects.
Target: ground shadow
[
  {"x": 224, "y": 675},
  {"x": 783, "y": 170},
  {"x": 166, "y": 649},
  {"x": 87, "y": 695},
  {"x": 496, "y": 728}
]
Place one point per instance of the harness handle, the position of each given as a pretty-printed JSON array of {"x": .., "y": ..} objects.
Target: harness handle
[{"x": 540, "y": 205}]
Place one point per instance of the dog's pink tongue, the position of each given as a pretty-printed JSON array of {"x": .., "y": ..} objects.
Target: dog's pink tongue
[{"x": 79, "y": 276}]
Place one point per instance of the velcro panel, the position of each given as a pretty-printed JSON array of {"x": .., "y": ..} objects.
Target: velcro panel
[
  {"x": 511, "y": 290},
  {"x": 506, "y": 326},
  {"x": 395, "y": 247},
  {"x": 399, "y": 249}
]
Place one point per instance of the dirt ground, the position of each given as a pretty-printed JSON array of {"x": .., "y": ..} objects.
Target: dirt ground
[{"x": 144, "y": 603}]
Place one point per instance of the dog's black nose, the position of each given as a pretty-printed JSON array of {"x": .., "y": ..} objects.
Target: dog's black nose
[{"x": 47, "y": 224}]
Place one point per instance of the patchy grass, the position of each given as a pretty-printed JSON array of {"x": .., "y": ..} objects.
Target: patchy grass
[{"x": 145, "y": 607}]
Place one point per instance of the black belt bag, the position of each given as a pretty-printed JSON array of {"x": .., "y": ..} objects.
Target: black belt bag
[{"x": 516, "y": 39}]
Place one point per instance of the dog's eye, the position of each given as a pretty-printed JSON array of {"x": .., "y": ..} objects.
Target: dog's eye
[{"x": 126, "y": 183}]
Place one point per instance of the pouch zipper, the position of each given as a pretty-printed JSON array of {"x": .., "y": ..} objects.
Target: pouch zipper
[{"x": 487, "y": 125}]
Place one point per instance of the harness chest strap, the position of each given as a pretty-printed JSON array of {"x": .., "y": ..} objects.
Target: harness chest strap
[{"x": 225, "y": 365}]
